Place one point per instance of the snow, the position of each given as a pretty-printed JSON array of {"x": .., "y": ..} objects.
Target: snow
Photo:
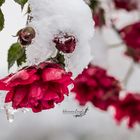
[
  {"x": 99, "y": 50},
  {"x": 55, "y": 16}
]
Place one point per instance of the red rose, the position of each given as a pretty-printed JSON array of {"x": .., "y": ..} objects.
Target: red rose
[
  {"x": 94, "y": 85},
  {"x": 37, "y": 87},
  {"x": 128, "y": 108},
  {"x": 65, "y": 43},
  {"x": 131, "y": 36},
  {"x": 126, "y": 4}
]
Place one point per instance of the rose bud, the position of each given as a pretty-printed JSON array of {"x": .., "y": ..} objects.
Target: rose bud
[
  {"x": 26, "y": 35},
  {"x": 65, "y": 43}
]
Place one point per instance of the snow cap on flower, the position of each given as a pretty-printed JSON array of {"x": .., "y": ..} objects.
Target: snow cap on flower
[{"x": 51, "y": 17}]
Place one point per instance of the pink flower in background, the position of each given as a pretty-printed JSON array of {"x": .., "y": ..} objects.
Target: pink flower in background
[
  {"x": 126, "y": 4},
  {"x": 99, "y": 17},
  {"x": 128, "y": 108},
  {"x": 95, "y": 86},
  {"x": 37, "y": 87},
  {"x": 131, "y": 36}
]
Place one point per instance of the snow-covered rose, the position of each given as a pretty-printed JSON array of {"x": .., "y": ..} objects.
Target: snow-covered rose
[{"x": 50, "y": 17}]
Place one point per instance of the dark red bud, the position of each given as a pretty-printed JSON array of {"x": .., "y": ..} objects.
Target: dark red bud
[
  {"x": 26, "y": 35},
  {"x": 65, "y": 43}
]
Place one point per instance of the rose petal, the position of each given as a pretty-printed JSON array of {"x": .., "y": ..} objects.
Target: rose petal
[
  {"x": 36, "y": 91},
  {"x": 20, "y": 94},
  {"x": 9, "y": 96},
  {"x": 50, "y": 74}
]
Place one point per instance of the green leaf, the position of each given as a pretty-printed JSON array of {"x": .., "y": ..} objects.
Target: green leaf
[
  {"x": 16, "y": 54},
  {"x": 1, "y": 2},
  {"x": 1, "y": 20},
  {"x": 21, "y": 2},
  {"x": 22, "y": 59}
]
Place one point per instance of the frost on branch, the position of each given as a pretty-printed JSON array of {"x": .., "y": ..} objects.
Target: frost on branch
[{"x": 51, "y": 18}]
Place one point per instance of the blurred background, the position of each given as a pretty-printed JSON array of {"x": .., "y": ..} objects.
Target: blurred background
[{"x": 55, "y": 124}]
